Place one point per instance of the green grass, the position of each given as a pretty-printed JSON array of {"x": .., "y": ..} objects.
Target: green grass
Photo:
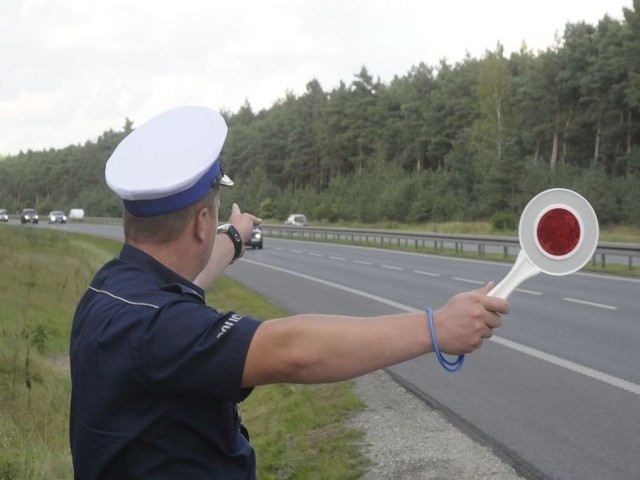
[
  {"x": 608, "y": 233},
  {"x": 43, "y": 275},
  {"x": 298, "y": 432},
  {"x": 457, "y": 227}
]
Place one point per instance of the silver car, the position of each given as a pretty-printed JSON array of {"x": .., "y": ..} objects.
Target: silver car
[
  {"x": 255, "y": 240},
  {"x": 57, "y": 217}
]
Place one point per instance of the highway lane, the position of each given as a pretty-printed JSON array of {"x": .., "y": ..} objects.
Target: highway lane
[
  {"x": 572, "y": 416},
  {"x": 551, "y": 418}
]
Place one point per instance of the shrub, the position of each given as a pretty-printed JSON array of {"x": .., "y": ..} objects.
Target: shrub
[{"x": 503, "y": 221}]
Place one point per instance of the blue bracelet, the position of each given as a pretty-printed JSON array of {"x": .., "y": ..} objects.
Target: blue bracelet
[{"x": 448, "y": 365}]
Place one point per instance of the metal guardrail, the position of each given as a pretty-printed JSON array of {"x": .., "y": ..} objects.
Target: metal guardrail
[
  {"x": 481, "y": 244},
  {"x": 459, "y": 243}
]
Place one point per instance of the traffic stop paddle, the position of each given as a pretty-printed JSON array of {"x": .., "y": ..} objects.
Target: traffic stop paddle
[{"x": 558, "y": 234}]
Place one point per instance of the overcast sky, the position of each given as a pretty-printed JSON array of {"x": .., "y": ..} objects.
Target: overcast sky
[{"x": 71, "y": 69}]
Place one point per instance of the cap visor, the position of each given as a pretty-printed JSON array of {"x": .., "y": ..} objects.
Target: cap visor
[{"x": 225, "y": 181}]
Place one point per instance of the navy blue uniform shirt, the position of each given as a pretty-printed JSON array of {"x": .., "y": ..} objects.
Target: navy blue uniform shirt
[{"x": 156, "y": 377}]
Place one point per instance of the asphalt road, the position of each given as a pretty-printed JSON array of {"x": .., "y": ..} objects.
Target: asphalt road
[{"x": 556, "y": 393}]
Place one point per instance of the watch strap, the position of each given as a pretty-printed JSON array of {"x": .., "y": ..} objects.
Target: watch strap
[{"x": 235, "y": 237}]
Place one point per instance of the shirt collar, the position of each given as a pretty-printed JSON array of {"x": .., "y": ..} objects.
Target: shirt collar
[{"x": 131, "y": 254}]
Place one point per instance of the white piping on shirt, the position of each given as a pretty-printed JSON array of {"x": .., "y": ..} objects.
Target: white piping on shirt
[{"x": 140, "y": 304}]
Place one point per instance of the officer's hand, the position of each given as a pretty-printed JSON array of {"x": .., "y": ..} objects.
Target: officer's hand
[
  {"x": 468, "y": 318},
  {"x": 244, "y": 222}
]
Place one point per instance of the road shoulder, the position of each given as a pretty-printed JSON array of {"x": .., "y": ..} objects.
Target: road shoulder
[{"x": 404, "y": 438}]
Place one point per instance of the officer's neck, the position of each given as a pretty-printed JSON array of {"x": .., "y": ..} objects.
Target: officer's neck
[{"x": 174, "y": 255}]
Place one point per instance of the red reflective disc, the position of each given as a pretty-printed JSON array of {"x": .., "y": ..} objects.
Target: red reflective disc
[{"x": 558, "y": 232}]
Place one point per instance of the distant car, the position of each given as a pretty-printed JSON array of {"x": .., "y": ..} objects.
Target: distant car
[
  {"x": 29, "y": 215},
  {"x": 4, "y": 215},
  {"x": 255, "y": 240},
  {"x": 296, "y": 219},
  {"x": 57, "y": 217}
]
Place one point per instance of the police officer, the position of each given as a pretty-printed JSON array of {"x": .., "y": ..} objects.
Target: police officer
[{"x": 157, "y": 373}]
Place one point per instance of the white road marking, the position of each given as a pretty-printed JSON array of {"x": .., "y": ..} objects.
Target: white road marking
[
  {"x": 391, "y": 267},
  {"x": 342, "y": 259},
  {"x": 530, "y": 292},
  {"x": 574, "y": 367},
  {"x": 344, "y": 288},
  {"x": 429, "y": 274},
  {"x": 591, "y": 304},
  {"x": 295, "y": 251},
  {"x": 468, "y": 280},
  {"x": 316, "y": 254},
  {"x": 360, "y": 262},
  {"x": 560, "y": 362}
]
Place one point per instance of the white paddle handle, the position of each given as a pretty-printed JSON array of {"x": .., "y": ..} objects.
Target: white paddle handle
[{"x": 521, "y": 270}]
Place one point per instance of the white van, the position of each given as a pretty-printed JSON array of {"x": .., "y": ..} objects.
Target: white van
[
  {"x": 296, "y": 219},
  {"x": 76, "y": 215}
]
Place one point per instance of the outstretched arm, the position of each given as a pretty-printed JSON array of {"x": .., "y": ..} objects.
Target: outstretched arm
[{"x": 324, "y": 348}]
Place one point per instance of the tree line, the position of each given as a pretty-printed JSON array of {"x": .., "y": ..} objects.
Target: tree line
[{"x": 461, "y": 141}]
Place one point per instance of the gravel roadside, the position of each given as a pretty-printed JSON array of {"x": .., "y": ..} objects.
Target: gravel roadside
[{"x": 404, "y": 438}]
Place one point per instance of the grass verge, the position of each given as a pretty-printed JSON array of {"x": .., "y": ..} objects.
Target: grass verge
[
  {"x": 298, "y": 431},
  {"x": 43, "y": 274}
]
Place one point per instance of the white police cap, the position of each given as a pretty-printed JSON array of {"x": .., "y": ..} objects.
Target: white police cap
[{"x": 169, "y": 162}]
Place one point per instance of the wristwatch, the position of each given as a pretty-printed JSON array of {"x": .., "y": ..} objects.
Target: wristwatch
[{"x": 235, "y": 237}]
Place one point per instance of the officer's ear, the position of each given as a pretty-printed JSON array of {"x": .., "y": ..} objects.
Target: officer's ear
[
  {"x": 201, "y": 223},
  {"x": 205, "y": 211}
]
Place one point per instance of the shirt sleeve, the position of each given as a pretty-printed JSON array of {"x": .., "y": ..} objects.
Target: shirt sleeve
[{"x": 190, "y": 348}]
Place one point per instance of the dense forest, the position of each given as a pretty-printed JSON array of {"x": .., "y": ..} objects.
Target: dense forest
[{"x": 446, "y": 142}]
